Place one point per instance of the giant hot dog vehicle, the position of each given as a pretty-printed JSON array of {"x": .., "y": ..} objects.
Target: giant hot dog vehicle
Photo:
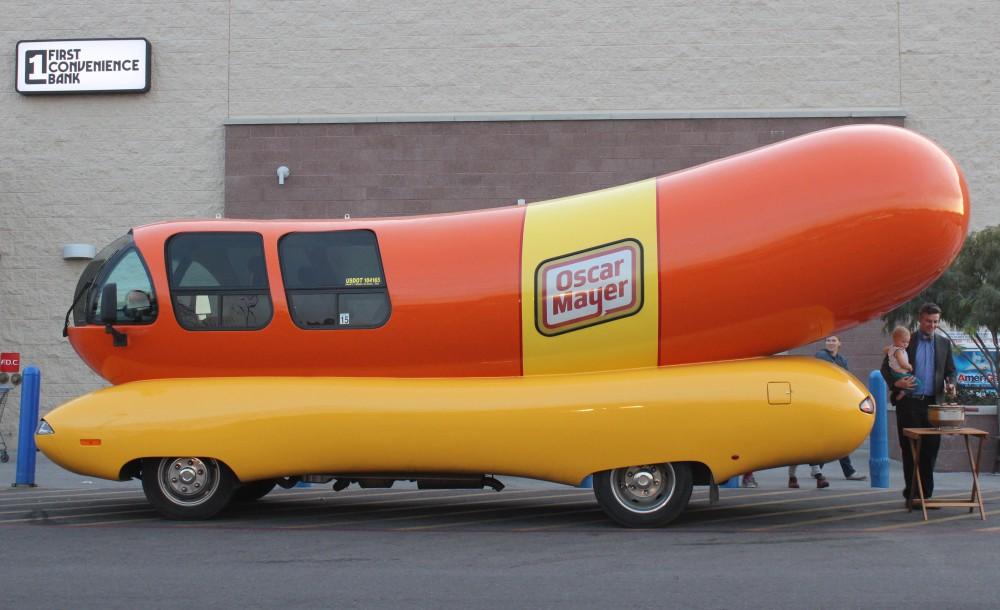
[{"x": 621, "y": 333}]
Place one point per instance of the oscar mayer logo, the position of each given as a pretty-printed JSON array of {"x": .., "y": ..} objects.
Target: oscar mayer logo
[{"x": 591, "y": 287}]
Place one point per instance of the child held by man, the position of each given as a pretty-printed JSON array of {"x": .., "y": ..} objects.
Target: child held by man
[{"x": 899, "y": 360}]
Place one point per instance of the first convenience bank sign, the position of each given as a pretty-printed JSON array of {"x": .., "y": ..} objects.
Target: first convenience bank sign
[
  {"x": 114, "y": 65},
  {"x": 591, "y": 287}
]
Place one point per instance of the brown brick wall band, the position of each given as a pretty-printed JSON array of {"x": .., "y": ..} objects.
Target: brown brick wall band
[{"x": 388, "y": 169}]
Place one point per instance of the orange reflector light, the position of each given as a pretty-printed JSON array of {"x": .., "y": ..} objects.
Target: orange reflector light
[{"x": 90, "y": 442}]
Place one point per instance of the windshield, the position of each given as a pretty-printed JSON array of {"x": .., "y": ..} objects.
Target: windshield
[
  {"x": 128, "y": 273},
  {"x": 90, "y": 273}
]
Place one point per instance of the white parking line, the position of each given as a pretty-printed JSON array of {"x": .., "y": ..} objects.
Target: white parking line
[
  {"x": 26, "y": 496},
  {"x": 333, "y": 518},
  {"x": 843, "y": 517},
  {"x": 48, "y": 507},
  {"x": 810, "y": 498},
  {"x": 46, "y": 518},
  {"x": 414, "y": 528}
]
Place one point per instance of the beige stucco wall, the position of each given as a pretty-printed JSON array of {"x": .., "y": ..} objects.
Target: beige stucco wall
[
  {"x": 429, "y": 56},
  {"x": 950, "y": 89},
  {"x": 85, "y": 168}
]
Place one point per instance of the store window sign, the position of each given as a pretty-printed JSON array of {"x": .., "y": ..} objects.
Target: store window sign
[
  {"x": 973, "y": 374},
  {"x": 118, "y": 65},
  {"x": 973, "y": 371},
  {"x": 10, "y": 362}
]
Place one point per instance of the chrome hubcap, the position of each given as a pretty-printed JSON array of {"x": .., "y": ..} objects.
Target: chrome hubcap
[
  {"x": 643, "y": 489},
  {"x": 188, "y": 481}
]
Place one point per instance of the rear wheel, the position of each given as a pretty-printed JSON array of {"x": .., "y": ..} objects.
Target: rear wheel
[
  {"x": 650, "y": 495},
  {"x": 187, "y": 487}
]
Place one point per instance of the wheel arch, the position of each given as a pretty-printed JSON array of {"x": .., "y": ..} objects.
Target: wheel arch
[
  {"x": 133, "y": 468},
  {"x": 701, "y": 474}
]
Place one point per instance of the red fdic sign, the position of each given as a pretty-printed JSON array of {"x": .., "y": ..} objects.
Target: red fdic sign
[{"x": 10, "y": 362}]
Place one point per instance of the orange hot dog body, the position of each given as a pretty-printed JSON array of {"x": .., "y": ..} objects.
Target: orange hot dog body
[
  {"x": 781, "y": 246},
  {"x": 745, "y": 256}
]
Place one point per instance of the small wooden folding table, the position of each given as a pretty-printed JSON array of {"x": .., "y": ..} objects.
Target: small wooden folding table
[{"x": 916, "y": 435}]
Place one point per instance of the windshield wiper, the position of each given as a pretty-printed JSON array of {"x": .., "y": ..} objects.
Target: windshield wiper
[{"x": 76, "y": 299}]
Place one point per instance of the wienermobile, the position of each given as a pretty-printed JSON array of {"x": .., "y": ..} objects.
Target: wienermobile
[{"x": 618, "y": 334}]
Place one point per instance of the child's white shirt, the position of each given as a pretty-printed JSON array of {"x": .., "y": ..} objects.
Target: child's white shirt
[{"x": 894, "y": 363}]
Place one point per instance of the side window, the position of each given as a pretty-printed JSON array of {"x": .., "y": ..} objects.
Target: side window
[
  {"x": 334, "y": 280},
  {"x": 129, "y": 273},
  {"x": 218, "y": 281}
]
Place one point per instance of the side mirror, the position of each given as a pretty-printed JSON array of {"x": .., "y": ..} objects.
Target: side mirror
[
  {"x": 109, "y": 303},
  {"x": 137, "y": 304},
  {"x": 109, "y": 313}
]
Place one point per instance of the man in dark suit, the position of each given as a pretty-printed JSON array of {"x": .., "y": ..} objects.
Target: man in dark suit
[{"x": 934, "y": 367}]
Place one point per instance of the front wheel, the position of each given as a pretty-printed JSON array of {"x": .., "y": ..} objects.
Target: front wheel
[
  {"x": 651, "y": 495},
  {"x": 187, "y": 487}
]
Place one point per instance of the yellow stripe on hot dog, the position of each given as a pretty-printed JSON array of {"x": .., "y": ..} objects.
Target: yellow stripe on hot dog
[{"x": 589, "y": 295}]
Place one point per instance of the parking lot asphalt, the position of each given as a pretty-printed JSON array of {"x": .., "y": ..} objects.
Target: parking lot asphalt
[{"x": 77, "y": 542}]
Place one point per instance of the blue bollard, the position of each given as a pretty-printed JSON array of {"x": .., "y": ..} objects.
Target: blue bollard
[
  {"x": 587, "y": 482},
  {"x": 878, "y": 441},
  {"x": 30, "y": 393}
]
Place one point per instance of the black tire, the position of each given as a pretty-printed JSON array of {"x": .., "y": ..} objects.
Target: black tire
[
  {"x": 187, "y": 488},
  {"x": 651, "y": 495},
  {"x": 254, "y": 490}
]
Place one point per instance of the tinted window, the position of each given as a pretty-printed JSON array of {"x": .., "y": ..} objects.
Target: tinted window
[
  {"x": 218, "y": 281},
  {"x": 334, "y": 280},
  {"x": 234, "y": 261}
]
